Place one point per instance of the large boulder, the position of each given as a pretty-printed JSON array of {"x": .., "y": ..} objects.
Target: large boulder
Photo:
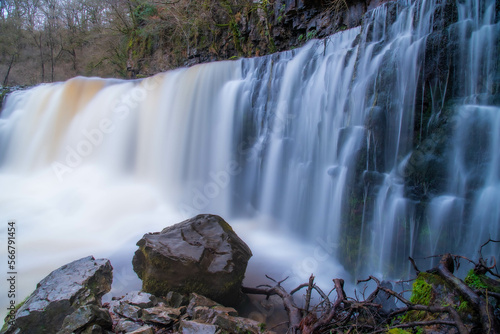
[
  {"x": 62, "y": 298},
  {"x": 202, "y": 254}
]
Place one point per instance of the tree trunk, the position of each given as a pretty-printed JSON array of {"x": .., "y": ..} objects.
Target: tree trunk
[
  {"x": 42, "y": 62},
  {"x": 8, "y": 70}
]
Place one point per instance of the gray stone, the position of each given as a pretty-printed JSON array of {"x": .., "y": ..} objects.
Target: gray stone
[
  {"x": 208, "y": 314},
  {"x": 194, "y": 327},
  {"x": 126, "y": 326},
  {"x": 94, "y": 329},
  {"x": 197, "y": 300},
  {"x": 175, "y": 299},
  {"x": 202, "y": 254},
  {"x": 238, "y": 324},
  {"x": 161, "y": 314},
  {"x": 61, "y": 293},
  {"x": 143, "y": 330},
  {"x": 129, "y": 311},
  {"x": 386, "y": 300},
  {"x": 139, "y": 298},
  {"x": 86, "y": 316},
  {"x": 225, "y": 310}
]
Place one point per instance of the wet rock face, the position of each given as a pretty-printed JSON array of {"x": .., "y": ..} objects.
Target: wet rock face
[
  {"x": 70, "y": 297},
  {"x": 202, "y": 254}
]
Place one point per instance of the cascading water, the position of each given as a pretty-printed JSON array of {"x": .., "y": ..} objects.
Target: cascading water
[
  {"x": 315, "y": 142},
  {"x": 466, "y": 214}
]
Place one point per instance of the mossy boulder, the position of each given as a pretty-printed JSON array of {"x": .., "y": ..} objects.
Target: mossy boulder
[
  {"x": 202, "y": 254},
  {"x": 431, "y": 290}
]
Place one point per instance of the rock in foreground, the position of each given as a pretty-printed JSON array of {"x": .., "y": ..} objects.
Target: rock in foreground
[
  {"x": 67, "y": 299},
  {"x": 202, "y": 254}
]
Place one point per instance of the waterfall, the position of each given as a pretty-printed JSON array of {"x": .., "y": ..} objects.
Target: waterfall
[{"x": 321, "y": 144}]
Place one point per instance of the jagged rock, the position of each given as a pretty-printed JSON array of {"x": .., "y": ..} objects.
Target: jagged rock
[
  {"x": 197, "y": 300},
  {"x": 202, "y": 254},
  {"x": 207, "y": 314},
  {"x": 86, "y": 316},
  {"x": 203, "y": 310},
  {"x": 161, "y": 314},
  {"x": 95, "y": 329},
  {"x": 176, "y": 300},
  {"x": 238, "y": 324},
  {"x": 195, "y": 327},
  {"x": 62, "y": 292},
  {"x": 143, "y": 330},
  {"x": 129, "y": 311},
  {"x": 225, "y": 310},
  {"x": 126, "y": 326},
  {"x": 140, "y": 299},
  {"x": 386, "y": 300}
]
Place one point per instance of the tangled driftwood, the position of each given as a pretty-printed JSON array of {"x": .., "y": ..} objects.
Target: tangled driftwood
[{"x": 346, "y": 315}]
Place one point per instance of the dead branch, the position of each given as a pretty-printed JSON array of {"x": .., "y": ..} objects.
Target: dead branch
[
  {"x": 293, "y": 311},
  {"x": 308, "y": 294},
  {"x": 327, "y": 317},
  {"x": 374, "y": 315},
  {"x": 414, "y": 265}
]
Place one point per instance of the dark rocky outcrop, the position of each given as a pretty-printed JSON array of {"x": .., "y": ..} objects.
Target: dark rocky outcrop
[
  {"x": 67, "y": 300},
  {"x": 253, "y": 28},
  {"x": 198, "y": 314},
  {"x": 202, "y": 254}
]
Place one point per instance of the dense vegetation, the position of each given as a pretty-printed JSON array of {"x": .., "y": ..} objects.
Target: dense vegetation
[{"x": 53, "y": 40}]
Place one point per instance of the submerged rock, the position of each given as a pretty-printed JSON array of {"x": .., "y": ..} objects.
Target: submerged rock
[
  {"x": 202, "y": 254},
  {"x": 69, "y": 297}
]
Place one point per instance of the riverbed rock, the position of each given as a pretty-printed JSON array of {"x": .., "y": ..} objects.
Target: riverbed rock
[
  {"x": 64, "y": 293},
  {"x": 140, "y": 299},
  {"x": 195, "y": 327},
  {"x": 162, "y": 314},
  {"x": 85, "y": 315},
  {"x": 202, "y": 254},
  {"x": 152, "y": 314}
]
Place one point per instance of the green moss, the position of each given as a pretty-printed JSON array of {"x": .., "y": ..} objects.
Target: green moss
[
  {"x": 310, "y": 35},
  {"x": 473, "y": 280},
  {"x": 463, "y": 307},
  {"x": 421, "y": 292},
  {"x": 398, "y": 331}
]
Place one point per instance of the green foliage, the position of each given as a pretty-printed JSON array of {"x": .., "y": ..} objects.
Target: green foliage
[
  {"x": 281, "y": 13},
  {"x": 474, "y": 281},
  {"x": 398, "y": 331},
  {"x": 463, "y": 306},
  {"x": 421, "y": 292},
  {"x": 311, "y": 34},
  {"x": 144, "y": 11}
]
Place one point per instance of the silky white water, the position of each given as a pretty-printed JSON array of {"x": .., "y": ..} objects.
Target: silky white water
[{"x": 276, "y": 145}]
